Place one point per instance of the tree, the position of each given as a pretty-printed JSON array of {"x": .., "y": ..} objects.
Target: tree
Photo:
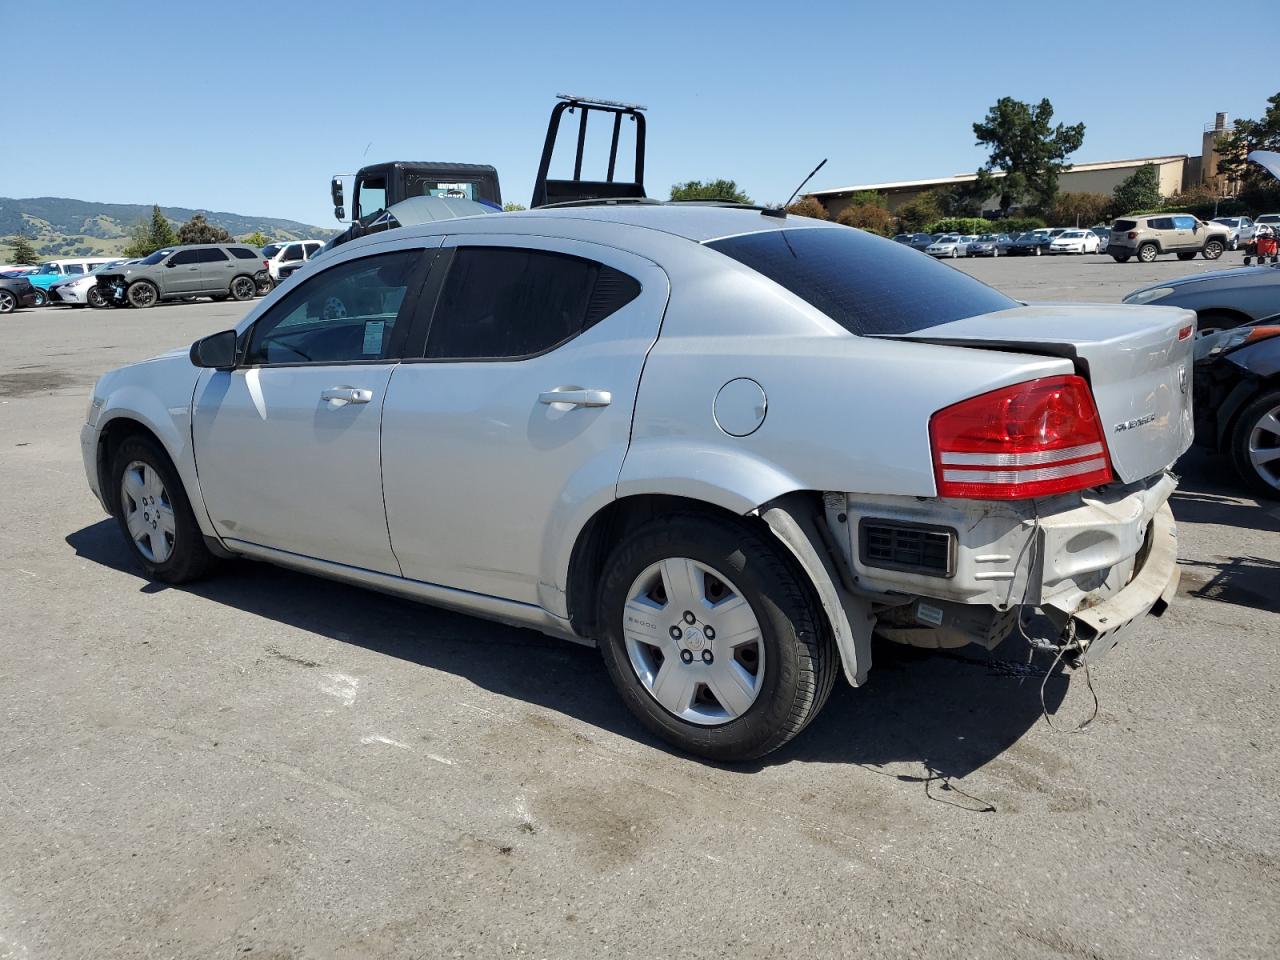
[
  {"x": 23, "y": 252},
  {"x": 1138, "y": 191},
  {"x": 1258, "y": 189},
  {"x": 923, "y": 210},
  {"x": 808, "y": 206},
  {"x": 146, "y": 238},
  {"x": 1027, "y": 149},
  {"x": 512, "y": 207},
  {"x": 709, "y": 190},
  {"x": 862, "y": 198},
  {"x": 869, "y": 217},
  {"x": 200, "y": 230},
  {"x": 256, "y": 239},
  {"x": 1080, "y": 209}
]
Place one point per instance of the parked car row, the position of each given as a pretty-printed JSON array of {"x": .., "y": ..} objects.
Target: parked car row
[
  {"x": 1043, "y": 240},
  {"x": 219, "y": 271}
]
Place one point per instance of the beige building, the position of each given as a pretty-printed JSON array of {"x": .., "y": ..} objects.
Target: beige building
[{"x": 1176, "y": 172}]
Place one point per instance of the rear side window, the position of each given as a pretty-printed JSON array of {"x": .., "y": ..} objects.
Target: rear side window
[
  {"x": 505, "y": 303},
  {"x": 865, "y": 283},
  {"x": 212, "y": 255},
  {"x": 243, "y": 253}
]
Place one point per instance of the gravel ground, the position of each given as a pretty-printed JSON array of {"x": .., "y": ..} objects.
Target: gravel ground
[{"x": 268, "y": 765}]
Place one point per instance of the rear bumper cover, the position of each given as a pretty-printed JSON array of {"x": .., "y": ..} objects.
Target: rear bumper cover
[{"x": 1097, "y": 629}]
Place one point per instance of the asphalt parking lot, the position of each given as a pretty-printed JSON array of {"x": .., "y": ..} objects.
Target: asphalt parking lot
[{"x": 268, "y": 765}]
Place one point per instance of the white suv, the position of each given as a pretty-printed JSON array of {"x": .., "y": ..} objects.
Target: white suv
[{"x": 289, "y": 254}]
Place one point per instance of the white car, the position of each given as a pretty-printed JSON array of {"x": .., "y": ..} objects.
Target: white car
[
  {"x": 1074, "y": 241},
  {"x": 1242, "y": 230},
  {"x": 952, "y": 245},
  {"x": 291, "y": 254},
  {"x": 79, "y": 291},
  {"x": 725, "y": 446}
]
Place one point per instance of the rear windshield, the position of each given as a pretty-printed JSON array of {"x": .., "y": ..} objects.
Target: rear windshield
[
  {"x": 865, "y": 283},
  {"x": 1124, "y": 224}
]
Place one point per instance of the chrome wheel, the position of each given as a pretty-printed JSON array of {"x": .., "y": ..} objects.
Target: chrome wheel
[
  {"x": 148, "y": 513},
  {"x": 41, "y": 298},
  {"x": 8, "y": 302},
  {"x": 693, "y": 641},
  {"x": 1264, "y": 447}
]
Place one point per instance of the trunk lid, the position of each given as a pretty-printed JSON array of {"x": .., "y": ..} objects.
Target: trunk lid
[{"x": 1132, "y": 356}]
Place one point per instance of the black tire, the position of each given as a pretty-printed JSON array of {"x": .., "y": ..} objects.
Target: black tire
[
  {"x": 1213, "y": 320},
  {"x": 800, "y": 658},
  {"x": 95, "y": 299},
  {"x": 1148, "y": 252},
  {"x": 190, "y": 558},
  {"x": 142, "y": 294},
  {"x": 243, "y": 288},
  {"x": 1212, "y": 250},
  {"x": 219, "y": 297},
  {"x": 1120, "y": 257},
  {"x": 8, "y": 302},
  {"x": 1246, "y": 423},
  {"x": 41, "y": 298},
  {"x": 1187, "y": 255}
]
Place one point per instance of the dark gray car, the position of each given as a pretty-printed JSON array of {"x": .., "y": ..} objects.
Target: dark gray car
[
  {"x": 214, "y": 270},
  {"x": 1222, "y": 299}
]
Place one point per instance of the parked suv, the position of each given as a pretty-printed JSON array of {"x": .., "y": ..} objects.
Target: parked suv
[
  {"x": 1179, "y": 233},
  {"x": 214, "y": 270},
  {"x": 291, "y": 255}
]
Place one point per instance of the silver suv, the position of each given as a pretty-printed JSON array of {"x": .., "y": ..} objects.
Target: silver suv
[
  {"x": 214, "y": 270},
  {"x": 1147, "y": 237}
]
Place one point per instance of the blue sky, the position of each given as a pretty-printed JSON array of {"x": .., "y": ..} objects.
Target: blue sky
[{"x": 250, "y": 107}]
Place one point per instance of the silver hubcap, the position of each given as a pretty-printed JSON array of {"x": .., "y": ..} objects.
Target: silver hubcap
[
  {"x": 7, "y": 301},
  {"x": 147, "y": 511},
  {"x": 1264, "y": 447},
  {"x": 694, "y": 641}
]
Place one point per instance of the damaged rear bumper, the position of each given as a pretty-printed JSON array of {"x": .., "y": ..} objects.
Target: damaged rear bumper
[{"x": 1093, "y": 631}]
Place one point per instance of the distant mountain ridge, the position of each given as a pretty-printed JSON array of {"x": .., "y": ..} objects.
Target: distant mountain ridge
[{"x": 61, "y": 226}]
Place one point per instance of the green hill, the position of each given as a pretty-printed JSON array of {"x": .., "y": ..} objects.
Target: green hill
[{"x": 62, "y": 227}]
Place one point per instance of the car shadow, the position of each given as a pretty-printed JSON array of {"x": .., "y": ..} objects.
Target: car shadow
[
  {"x": 949, "y": 712},
  {"x": 1209, "y": 491}
]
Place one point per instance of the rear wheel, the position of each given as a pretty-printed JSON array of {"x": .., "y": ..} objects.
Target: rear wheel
[
  {"x": 8, "y": 302},
  {"x": 41, "y": 298},
  {"x": 712, "y": 638},
  {"x": 1148, "y": 252},
  {"x": 142, "y": 294},
  {"x": 1212, "y": 250},
  {"x": 154, "y": 514},
  {"x": 1187, "y": 255},
  {"x": 1037, "y": 251},
  {"x": 1255, "y": 445},
  {"x": 243, "y": 288}
]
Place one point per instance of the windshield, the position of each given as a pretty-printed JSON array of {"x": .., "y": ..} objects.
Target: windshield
[
  {"x": 867, "y": 284},
  {"x": 156, "y": 257}
]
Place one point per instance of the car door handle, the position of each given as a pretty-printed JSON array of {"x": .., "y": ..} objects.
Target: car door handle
[
  {"x": 578, "y": 398},
  {"x": 344, "y": 395}
]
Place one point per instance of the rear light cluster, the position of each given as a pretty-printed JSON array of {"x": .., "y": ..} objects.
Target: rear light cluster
[
  {"x": 1132, "y": 234},
  {"x": 1032, "y": 439}
]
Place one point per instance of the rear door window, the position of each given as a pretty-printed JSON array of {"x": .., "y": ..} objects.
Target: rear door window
[
  {"x": 291, "y": 253},
  {"x": 508, "y": 303},
  {"x": 212, "y": 255},
  {"x": 865, "y": 283}
]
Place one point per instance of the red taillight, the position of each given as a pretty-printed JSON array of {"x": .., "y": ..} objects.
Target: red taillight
[
  {"x": 1133, "y": 234},
  {"x": 1032, "y": 439},
  {"x": 266, "y": 264},
  {"x": 1186, "y": 332}
]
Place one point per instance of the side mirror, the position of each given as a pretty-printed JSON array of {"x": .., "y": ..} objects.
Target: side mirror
[
  {"x": 216, "y": 351},
  {"x": 335, "y": 191}
]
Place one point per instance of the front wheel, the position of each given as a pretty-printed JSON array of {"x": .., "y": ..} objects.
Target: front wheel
[
  {"x": 154, "y": 514},
  {"x": 1212, "y": 250},
  {"x": 8, "y": 302},
  {"x": 243, "y": 288},
  {"x": 142, "y": 294},
  {"x": 712, "y": 638},
  {"x": 1255, "y": 445}
]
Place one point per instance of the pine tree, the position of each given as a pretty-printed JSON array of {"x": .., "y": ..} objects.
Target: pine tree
[
  {"x": 162, "y": 234},
  {"x": 200, "y": 230},
  {"x": 23, "y": 251}
]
